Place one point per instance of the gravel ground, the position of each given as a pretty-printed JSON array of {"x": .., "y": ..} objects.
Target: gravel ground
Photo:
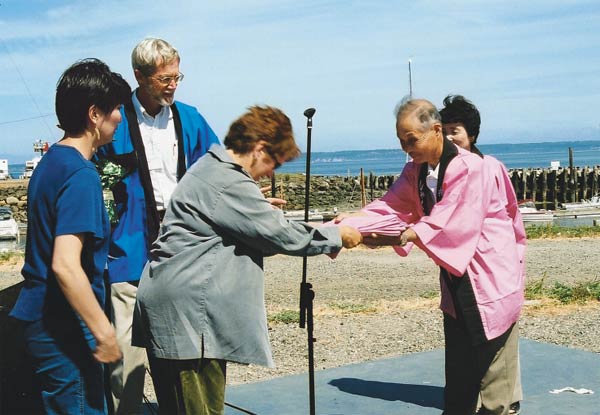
[{"x": 372, "y": 304}]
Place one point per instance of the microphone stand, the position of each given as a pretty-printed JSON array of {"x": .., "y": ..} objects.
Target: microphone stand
[{"x": 307, "y": 294}]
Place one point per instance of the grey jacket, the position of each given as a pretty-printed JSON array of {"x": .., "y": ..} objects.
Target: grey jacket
[{"x": 202, "y": 293}]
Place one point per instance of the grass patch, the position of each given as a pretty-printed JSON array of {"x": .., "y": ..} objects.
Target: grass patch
[
  {"x": 534, "y": 289},
  {"x": 580, "y": 292},
  {"x": 353, "y": 308},
  {"x": 11, "y": 257},
  {"x": 285, "y": 316},
  {"x": 555, "y": 231},
  {"x": 429, "y": 294}
]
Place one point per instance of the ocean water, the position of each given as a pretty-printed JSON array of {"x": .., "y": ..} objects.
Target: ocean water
[{"x": 391, "y": 161}]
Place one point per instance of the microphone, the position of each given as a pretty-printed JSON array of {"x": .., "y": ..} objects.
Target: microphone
[{"x": 309, "y": 112}]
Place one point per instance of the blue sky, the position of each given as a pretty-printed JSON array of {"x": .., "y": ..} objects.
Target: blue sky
[{"x": 532, "y": 67}]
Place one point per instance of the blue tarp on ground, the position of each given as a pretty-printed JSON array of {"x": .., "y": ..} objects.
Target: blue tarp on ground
[{"x": 413, "y": 385}]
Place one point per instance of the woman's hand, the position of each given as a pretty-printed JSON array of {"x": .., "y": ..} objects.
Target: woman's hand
[
  {"x": 350, "y": 236},
  {"x": 276, "y": 202},
  {"x": 107, "y": 349}
]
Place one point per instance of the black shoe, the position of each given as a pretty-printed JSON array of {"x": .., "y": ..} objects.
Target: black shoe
[{"x": 514, "y": 408}]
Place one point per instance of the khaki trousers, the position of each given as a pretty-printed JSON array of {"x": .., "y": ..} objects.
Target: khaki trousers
[
  {"x": 127, "y": 376},
  {"x": 490, "y": 368}
]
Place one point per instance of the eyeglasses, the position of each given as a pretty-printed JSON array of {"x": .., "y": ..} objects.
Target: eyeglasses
[
  {"x": 272, "y": 155},
  {"x": 166, "y": 80}
]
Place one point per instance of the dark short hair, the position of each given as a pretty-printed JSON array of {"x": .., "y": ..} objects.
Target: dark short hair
[
  {"x": 266, "y": 123},
  {"x": 85, "y": 83},
  {"x": 458, "y": 109}
]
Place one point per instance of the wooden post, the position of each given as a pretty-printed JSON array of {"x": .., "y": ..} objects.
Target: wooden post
[
  {"x": 584, "y": 183},
  {"x": 363, "y": 197},
  {"x": 554, "y": 186},
  {"x": 572, "y": 178},
  {"x": 514, "y": 179},
  {"x": 544, "y": 189},
  {"x": 595, "y": 181},
  {"x": 534, "y": 186},
  {"x": 371, "y": 186}
]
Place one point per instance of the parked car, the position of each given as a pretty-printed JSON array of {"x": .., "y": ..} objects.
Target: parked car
[{"x": 9, "y": 229}]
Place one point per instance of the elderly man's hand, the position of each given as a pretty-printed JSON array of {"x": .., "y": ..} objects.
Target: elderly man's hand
[
  {"x": 350, "y": 236},
  {"x": 345, "y": 215},
  {"x": 405, "y": 237}
]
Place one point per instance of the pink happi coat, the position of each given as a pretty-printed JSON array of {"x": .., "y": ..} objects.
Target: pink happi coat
[{"x": 476, "y": 228}]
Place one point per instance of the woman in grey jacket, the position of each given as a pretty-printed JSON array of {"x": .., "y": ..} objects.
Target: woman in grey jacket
[{"x": 200, "y": 302}]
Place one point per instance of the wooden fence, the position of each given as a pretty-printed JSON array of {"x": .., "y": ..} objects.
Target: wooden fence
[{"x": 548, "y": 188}]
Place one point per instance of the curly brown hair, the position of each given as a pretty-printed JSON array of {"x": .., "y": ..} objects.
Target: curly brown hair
[{"x": 262, "y": 123}]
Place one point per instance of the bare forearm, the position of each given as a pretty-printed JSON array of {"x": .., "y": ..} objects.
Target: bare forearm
[
  {"x": 78, "y": 292},
  {"x": 74, "y": 283}
]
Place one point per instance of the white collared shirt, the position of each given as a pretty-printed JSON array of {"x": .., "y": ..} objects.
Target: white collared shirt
[
  {"x": 160, "y": 144},
  {"x": 432, "y": 179}
]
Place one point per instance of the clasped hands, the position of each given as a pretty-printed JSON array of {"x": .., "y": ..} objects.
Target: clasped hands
[{"x": 376, "y": 239}]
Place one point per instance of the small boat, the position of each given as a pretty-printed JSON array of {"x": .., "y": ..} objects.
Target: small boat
[
  {"x": 592, "y": 203},
  {"x": 532, "y": 215},
  {"x": 298, "y": 215},
  {"x": 9, "y": 229}
]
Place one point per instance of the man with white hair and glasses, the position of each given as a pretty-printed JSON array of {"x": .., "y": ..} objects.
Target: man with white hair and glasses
[{"x": 158, "y": 139}]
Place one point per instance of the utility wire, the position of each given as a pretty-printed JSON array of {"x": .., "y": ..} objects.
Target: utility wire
[
  {"x": 26, "y": 119},
  {"x": 50, "y": 133}
]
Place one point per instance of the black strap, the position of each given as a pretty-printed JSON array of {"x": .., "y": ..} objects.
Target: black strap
[
  {"x": 181, "y": 165},
  {"x": 152, "y": 219},
  {"x": 449, "y": 151}
]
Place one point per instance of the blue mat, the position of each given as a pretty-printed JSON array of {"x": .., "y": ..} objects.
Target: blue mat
[{"x": 413, "y": 385}]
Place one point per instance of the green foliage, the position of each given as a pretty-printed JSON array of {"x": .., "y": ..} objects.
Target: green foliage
[
  {"x": 580, "y": 292},
  {"x": 11, "y": 256},
  {"x": 286, "y": 317},
  {"x": 534, "y": 289},
  {"x": 555, "y": 231},
  {"x": 430, "y": 294},
  {"x": 353, "y": 308}
]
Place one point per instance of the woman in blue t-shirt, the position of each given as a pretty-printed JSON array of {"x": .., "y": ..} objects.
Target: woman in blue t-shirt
[{"x": 66, "y": 332}]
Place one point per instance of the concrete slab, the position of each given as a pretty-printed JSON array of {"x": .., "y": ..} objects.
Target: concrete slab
[{"x": 413, "y": 385}]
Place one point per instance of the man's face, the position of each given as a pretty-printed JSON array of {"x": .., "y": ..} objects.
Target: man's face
[
  {"x": 161, "y": 85},
  {"x": 421, "y": 145},
  {"x": 457, "y": 133}
]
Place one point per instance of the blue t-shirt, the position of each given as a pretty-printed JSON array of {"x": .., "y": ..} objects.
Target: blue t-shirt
[{"x": 64, "y": 197}]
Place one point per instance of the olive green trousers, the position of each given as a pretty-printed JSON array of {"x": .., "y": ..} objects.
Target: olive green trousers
[{"x": 186, "y": 387}]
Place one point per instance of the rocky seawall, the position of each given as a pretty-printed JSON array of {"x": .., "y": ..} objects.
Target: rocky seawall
[
  {"x": 329, "y": 192},
  {"x": 13, "y": 193},
  {"x": 326, "y": 192}
]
